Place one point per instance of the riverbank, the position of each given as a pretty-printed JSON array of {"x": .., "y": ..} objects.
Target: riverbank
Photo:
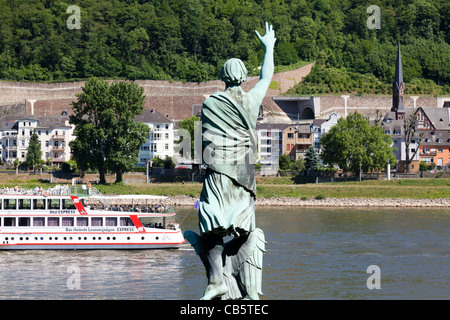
[
  {"x": 281, "y": 191},
  {"x": 187, "y": 201},
  {"x": 354, "y": 202},
  {"x": 377, "y": 189}
]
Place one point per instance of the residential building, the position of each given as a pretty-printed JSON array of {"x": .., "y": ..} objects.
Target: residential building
[
  {"x": 54, "y": 132},
  {"x": 394, "y": 128},
  {"x": 297, "y": 138},
  {"x": 320, "y": 127},
  {"x": 433, "y": 119},
  {"x": 316, "y": 130},
  {"x": 160, "y": 142},
  {"x": 435, "y": 148},
  {"x": 434, "y": 123},
  {"x": 270, "y": 143}
]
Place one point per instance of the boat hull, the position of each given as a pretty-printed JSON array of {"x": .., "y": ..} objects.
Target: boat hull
[
  {"x": 53, "y": 221},
  {"x": 89, "y": 246},
  {"x": 93, "y": 241}
]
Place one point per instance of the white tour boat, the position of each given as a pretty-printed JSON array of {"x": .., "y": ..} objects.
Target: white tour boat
[{"x": 60, "y": 219}]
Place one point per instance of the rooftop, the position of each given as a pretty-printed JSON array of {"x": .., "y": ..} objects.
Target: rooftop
[
  {"x": 151, "y": 116},
  {"x": 10, "y": 122},
  {"x": 439, "y": 117}
]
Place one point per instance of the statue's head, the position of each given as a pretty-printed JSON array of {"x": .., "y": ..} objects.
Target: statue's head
[{"x": 233, "y": 72}]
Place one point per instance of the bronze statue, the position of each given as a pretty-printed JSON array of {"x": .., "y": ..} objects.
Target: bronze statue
[{"x": 227, "y": 200}]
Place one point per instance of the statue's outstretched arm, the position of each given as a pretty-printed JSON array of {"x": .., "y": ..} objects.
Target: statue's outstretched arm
[{"x": 268, "y": 41}]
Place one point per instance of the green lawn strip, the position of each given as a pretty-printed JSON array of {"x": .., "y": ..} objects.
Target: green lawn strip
[
  {"x": 341, "y": 190},
  {"x": 352, "y": 191},
  {"x": 283, "y": 187}
]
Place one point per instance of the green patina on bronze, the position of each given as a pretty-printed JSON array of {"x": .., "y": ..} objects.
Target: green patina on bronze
[{"x": 227, "y": 201}]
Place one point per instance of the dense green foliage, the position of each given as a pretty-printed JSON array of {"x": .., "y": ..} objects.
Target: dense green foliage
[
  {"x": 356, "y": 146},
  {"x": 166, "y": 163},
  {"x": 329, "y": 80},
  {"x": 190, "y": 39},
  {"x": 34, "y": 153},
  {"x": 284, "y": 163},
  {"x": 107, "y": 137},
  {"x": 311, "y": 159},
  {"x": 189, "y": 125}
]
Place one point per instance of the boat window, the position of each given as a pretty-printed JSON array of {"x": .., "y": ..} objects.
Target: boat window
[
  {"x": 53, "y": 221},
  {"x": 10, "y": 204},
  {"x": 151, "y": 222},
  {"x": 24, "y": 221},
  {"x": 24, "y": 204},
  {"x": 38, "y": 222},
  {"x": 82, "y": 221},
  {"x": 96, "y": 221},
  {"x": 38, "y": 204},
  {"x": 110, "y": 221},
  {"x": 126, "y": 222},
  {"x": 9, "y": 222},
  {"x": 67, "y": 221},
  {"x": 53, "y": 204},
  {"x": 67, "y": 204}
]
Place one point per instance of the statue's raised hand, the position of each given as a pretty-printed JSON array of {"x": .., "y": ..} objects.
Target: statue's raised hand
[{"x": 268, "y": 40}]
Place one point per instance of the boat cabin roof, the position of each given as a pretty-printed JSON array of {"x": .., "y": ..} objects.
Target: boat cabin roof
[{"x": 69, "y": 207}]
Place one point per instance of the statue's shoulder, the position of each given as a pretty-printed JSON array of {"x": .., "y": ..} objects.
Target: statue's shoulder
[
  {"x": 214, "y": 96},
  {"x": 222, "y": 96}
]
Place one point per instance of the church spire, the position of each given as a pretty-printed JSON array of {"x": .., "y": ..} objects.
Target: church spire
[{"x": 398, "y": 88}]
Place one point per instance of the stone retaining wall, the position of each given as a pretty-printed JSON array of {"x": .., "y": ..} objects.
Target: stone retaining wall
[
  {"x": 328, "y": 202},
  {"x": 354, "y": 202}
]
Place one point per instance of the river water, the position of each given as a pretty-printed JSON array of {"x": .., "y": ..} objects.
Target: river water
[{"x": 311, "y": 253}]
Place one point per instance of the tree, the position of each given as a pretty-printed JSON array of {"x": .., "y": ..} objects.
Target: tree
[
  {"x": 409, "y": 133},
  {"x": 189, "y": 125},
  {"x": 286, "y": 54},
  {"x": 157, "y": 162},
  {"x": 166, "y": 163},
  {"x": 356, "y": 146},
  {"x": 190, "y": 40},
  {"x": 298, "y": 165},
  {"x": 107, "y": 137},
  {"x": 16, "y": 164},
  {"x": 284, "y": 163},
  {"x": 311, "y": 159},
  {"x": 34, "y": 152}
]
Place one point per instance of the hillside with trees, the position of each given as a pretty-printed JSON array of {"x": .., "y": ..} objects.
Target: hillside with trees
[{"x": 189, "y": 40}]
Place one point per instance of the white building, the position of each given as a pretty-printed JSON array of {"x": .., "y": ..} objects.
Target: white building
[
  {"x": 54, "y": 132},
  {"x": 270, "y": 143},
  {"x": 395, "y": 129},
  {"x": 160, "y": 140},
  {"x": 320, "y": 127}
]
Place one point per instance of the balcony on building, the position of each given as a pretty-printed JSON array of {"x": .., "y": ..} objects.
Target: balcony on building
[
  {"x": 58, "y": 148},
  {"x": 428, "y": 153},
  {"x": 59, "y": 158}
]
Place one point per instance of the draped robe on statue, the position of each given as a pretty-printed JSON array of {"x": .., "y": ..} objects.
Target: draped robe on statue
[
  {"x": 227, "y": 200},
  {"x": 228, "y": 150}
]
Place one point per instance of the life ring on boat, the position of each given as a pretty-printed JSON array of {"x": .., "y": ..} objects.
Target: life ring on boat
[{"x": 46, "y": 193}]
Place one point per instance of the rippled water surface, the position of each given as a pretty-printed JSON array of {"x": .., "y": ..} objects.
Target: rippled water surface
[{"x": 311, "y": 254}]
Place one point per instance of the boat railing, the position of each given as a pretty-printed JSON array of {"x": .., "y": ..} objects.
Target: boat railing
[
  {"x": 58, "y": 190},
  {"x": 129, "y": 204},
  {"x": 94, "y": 192}
]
